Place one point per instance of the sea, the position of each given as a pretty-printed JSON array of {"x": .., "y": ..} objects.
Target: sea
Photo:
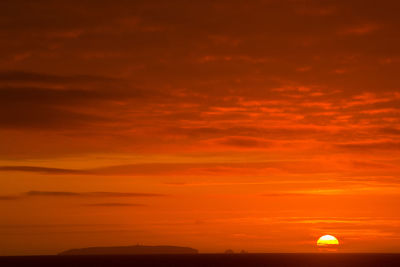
[{"x": 204, "y": 260}]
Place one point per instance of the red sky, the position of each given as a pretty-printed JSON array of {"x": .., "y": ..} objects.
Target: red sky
[{"x": 255, "y": 125}]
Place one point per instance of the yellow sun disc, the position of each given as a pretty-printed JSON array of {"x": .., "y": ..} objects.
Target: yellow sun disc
[{"x": 327, "y": 240}]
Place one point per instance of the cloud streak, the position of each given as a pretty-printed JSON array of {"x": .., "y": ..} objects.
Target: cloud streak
[
  {"x": 34, "y": 169},
  {"x": 114, "y": 204},
  {"x": 68, "y": 194},
  {"x": 89, "y": 194}
]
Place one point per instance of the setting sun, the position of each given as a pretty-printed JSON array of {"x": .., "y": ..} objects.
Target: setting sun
[{"x": 327, "y": 241}]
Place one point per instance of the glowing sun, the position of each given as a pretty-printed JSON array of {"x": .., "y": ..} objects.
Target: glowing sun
[{"x": 328, "y": 242}]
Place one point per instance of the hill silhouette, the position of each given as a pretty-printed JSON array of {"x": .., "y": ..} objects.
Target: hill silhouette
[{"x": 130, "y": 250}]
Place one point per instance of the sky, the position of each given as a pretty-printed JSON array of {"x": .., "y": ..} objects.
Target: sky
[{"x": 257, "y": 125}]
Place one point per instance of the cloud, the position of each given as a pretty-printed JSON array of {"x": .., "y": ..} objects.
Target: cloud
[
  {"x": 209, "y": 167},
  {"x": 52, "y": 194},
  {"x": 89, "y": 194},
  {"x": 34, "y": 169},
  {"x": 301, "y": 193},
  {"x": 67, "y": 194},
  {"x": 390, "y": 131},
  {"x": 115, "y": 204},
  {"x": 182, "y": 168},
  {"x": 316, "y": 10},
  {"x": 310, "y": 193},
  {"x": 244, "y": 142},
  {"x": 47, "y": 108},
  {"x": 367, "y": 146},
  {"x": 5, "y": 198},
  {"x": 52, "y": 102},
  {"x": 19, "y": 77},
  {"x": 251, "y": 133},
  {"x": 361, "y": 29},
  {"x": 370, "y": 165},
  {"x": 128, "y": 169}
]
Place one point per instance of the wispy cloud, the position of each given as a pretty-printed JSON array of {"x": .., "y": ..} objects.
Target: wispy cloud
[
  {"x": 115, "y": 204},
  {"x": 89, "y": 194},
  {"x": 20, "y": 77},
  {"x": 361, "y": 29},
  {"x": 9, "y": 198},
  {"x": 66, "y": 194},
  {"x": 372, "y": 145},
  {"x": 244, "y": 142},
  {"x": 34, "y": 169}
]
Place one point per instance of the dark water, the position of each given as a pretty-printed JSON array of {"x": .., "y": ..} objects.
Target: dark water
[{"x": 337, "y": 260}]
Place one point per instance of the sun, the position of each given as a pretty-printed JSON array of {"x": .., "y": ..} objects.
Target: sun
[
  {"x": 327, "y": 240},
  {"x": 328, "y": 243}
]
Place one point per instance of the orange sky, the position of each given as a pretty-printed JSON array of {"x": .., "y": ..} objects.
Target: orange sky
[{"x": 223, "y": 124}]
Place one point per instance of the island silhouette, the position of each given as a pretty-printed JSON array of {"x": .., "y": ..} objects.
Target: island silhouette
[{"x": 130, "y": 250}]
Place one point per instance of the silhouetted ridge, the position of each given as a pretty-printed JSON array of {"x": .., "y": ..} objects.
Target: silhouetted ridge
[{"x": 130, "y": 250}]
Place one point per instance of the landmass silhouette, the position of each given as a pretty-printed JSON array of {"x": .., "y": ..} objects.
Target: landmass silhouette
[{"x": 130, "y": 250}]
